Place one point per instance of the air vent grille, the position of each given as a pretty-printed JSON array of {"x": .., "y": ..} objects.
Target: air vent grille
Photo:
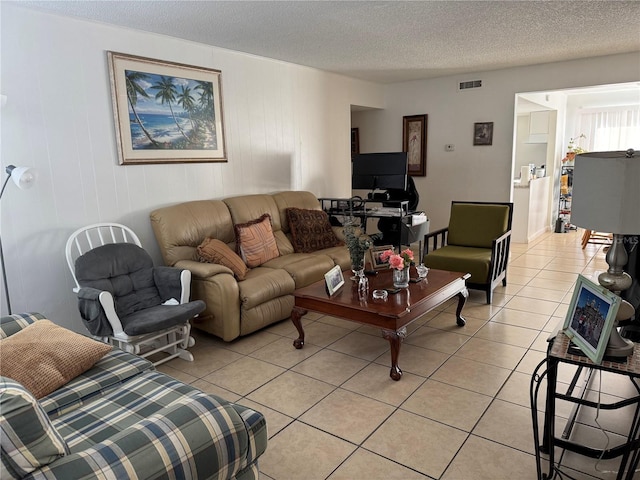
[{"x": 470, "y": 84}]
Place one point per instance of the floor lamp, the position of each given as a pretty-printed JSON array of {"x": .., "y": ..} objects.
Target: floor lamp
[
  {"x": 606, "y": 198},
  {"x": 23, "y": 177}
]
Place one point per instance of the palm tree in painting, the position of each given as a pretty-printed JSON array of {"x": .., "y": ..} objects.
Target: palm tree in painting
[
  {"x": 167, "y": 95},
  {"x": 206, "y": 93},
  {"x": 133, "y": 90},
  {"x": 187, "y": 102}
]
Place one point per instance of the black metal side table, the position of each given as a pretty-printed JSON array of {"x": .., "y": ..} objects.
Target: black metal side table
[{"x": 560, "y": 352}]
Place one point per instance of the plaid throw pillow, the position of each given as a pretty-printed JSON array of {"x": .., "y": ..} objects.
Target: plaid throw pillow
[
  {"x": 28, "y": 441},
  {"x": 310, "y": 230},
  {"x": 255, "y": 241}
]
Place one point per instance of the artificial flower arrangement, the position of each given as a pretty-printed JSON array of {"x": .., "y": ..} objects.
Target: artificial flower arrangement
[{"x": 398, "y": 261}]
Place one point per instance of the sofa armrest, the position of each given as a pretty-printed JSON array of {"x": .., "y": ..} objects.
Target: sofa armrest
[
  {"x": 11, "y": 324},
  {"x": 438, "y": 239},
  {"x": 155, "y": 448},
  {"x": 203, "y": 270}
]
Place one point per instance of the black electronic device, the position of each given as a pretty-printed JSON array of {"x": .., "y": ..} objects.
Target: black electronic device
[{"x": 379, "y": 171}]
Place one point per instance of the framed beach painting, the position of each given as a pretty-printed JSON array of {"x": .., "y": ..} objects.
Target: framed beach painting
[
  {"x": 590, "y": 318},
  {"x": 166, "y": 112}
]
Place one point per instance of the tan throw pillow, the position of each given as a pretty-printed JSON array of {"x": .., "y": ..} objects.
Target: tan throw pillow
[
  {"x": 213, "y": 250},
  {"x": 311, "y": 230},
  {"x": 255, "y": 241},
  {"x": 44, "y": 356}
]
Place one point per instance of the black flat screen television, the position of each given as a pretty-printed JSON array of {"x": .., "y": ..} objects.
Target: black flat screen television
[{"x": 379, "y": 171}]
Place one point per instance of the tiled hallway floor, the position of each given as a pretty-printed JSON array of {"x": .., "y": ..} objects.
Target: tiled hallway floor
[{"x": 461, "y": 410}]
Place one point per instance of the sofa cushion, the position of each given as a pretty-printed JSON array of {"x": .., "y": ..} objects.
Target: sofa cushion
[
  {"x": 213, "y": 250},
  {"x": 471, "y": 260},
  {"x": 45, "y": 356},
  {"x": 477, "y": 225},
  {"x": 11, "y": 324},
  {"x": 311, "y": 230},
  {"x": 255, "y": 241},
  {"x": 304, "y": 268},
  {"x": 28, "y": 440}
]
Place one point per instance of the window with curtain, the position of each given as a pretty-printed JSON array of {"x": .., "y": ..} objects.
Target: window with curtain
[{"x": 614, "y": 128}]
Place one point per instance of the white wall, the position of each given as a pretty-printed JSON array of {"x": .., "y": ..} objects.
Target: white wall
[
  {"x": 287, "y": 127},
  {"x": 475, "y": 172}
]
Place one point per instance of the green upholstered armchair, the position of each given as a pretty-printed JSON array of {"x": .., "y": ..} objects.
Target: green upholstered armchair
[{"x": 476, "y": 241}]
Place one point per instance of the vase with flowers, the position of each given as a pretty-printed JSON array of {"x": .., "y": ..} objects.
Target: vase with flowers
[{"x": 400, "y": 263}]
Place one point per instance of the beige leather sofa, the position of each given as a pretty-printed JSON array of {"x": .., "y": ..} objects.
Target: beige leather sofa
[{"x": 236, "y": 308}]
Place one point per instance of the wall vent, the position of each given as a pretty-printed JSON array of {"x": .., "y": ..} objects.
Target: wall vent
[{"x": 470, "y": 84}]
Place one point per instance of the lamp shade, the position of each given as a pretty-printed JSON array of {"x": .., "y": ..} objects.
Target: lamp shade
[
  {"x": 23, "y": 177},
  {"x": 606, "y": 192}
]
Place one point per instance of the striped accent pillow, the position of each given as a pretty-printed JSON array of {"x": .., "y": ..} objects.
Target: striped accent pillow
[
  {"x": 213, "y": 250},
  {"x": 28, "y": 441},
  {"x": 255, "y": 241}
]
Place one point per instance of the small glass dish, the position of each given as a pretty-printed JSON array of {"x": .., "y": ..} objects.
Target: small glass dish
[{"x": 380, "y": 294}]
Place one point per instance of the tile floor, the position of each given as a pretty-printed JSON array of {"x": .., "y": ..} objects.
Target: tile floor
[{"x": 461, "y": 410}]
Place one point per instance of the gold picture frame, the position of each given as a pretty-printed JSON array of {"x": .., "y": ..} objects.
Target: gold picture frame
[
  {"x": 166, "y": 112},
  {"x": 374, "y": 257}
]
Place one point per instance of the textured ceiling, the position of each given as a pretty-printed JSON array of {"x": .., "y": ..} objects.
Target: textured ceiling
[{"x": 387, "y": 41}]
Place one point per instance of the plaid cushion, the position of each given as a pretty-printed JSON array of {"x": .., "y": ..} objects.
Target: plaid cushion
[
  {"x": 27, "y": 438},
  {"x": 108, "y": 373},
  {"x": 156, "y": 427},
  {"x": 14, "y": 323}
]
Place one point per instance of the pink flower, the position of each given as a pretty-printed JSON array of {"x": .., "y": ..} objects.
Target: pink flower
[
  {"x": 408, "y": 255},
  {"x": 396, "y": 261},
  {"x": 384, "y": 256}
]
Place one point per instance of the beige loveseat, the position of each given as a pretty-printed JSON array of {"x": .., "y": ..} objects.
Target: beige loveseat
[{"x": 236, "y": 308}]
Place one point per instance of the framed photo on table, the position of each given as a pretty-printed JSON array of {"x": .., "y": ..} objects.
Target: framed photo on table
[
  {"x": 376, "y": 261},
  {"x": 166, "y": 112},
  {"x": 334, "y": 280},
  {"x": 414, "y": 142},
  {"x": 590, "y": 318}
]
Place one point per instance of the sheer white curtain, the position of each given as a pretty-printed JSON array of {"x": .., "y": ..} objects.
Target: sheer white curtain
[{"x": 616, "y": 128}]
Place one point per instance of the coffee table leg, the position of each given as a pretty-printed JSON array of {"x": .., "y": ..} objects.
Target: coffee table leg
[
  {"x": 296, "y": 315},
  {"x": 395, "y": 340},
  {"x": 462, "y": 298}
]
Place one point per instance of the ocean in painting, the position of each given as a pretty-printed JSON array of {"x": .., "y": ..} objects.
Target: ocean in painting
[{"x": 163, "y": 129}]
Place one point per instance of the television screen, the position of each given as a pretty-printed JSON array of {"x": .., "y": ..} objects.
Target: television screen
[{"x": 382, "y": 171}]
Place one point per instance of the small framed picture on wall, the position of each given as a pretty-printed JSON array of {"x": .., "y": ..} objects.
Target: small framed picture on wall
[{"x": 483, "y": 133}]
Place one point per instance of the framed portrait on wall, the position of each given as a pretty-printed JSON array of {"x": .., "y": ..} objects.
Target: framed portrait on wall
[
  {"x": 166, "y": 112},
  {"x": 483, "y": 133},
  {"x": 414, "y": 142},
  {"x": 355, "y": 141}
]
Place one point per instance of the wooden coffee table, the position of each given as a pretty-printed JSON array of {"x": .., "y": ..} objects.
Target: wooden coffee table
[{"x": 391, "y": 315}]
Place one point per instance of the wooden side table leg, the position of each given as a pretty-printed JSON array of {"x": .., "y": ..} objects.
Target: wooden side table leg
[
  {"x": 296, "y": 315},
  {"x": 462, "y": 299},
  {"x": 395, "y": 340}
]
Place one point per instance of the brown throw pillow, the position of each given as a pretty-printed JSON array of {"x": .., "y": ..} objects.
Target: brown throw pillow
[
  {"x": 213, "y": 250},
  {"x": 44, "y": 356},
  {"x": 255, "y": 241},
  {"x": 311, "y": 230}
]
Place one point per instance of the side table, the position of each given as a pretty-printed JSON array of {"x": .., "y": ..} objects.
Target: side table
[{"x": 560, "y": 352}]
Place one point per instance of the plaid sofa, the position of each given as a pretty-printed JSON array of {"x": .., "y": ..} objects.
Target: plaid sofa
[{"x": 122, "y": 419}]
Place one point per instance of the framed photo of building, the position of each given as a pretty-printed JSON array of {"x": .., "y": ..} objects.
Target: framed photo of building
[
  {"x": 590, "y": 318},
  {"x": 166, "y": 112},
  {"x": 483, "y": 133},
  {"x": 414, "y": 142}
]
